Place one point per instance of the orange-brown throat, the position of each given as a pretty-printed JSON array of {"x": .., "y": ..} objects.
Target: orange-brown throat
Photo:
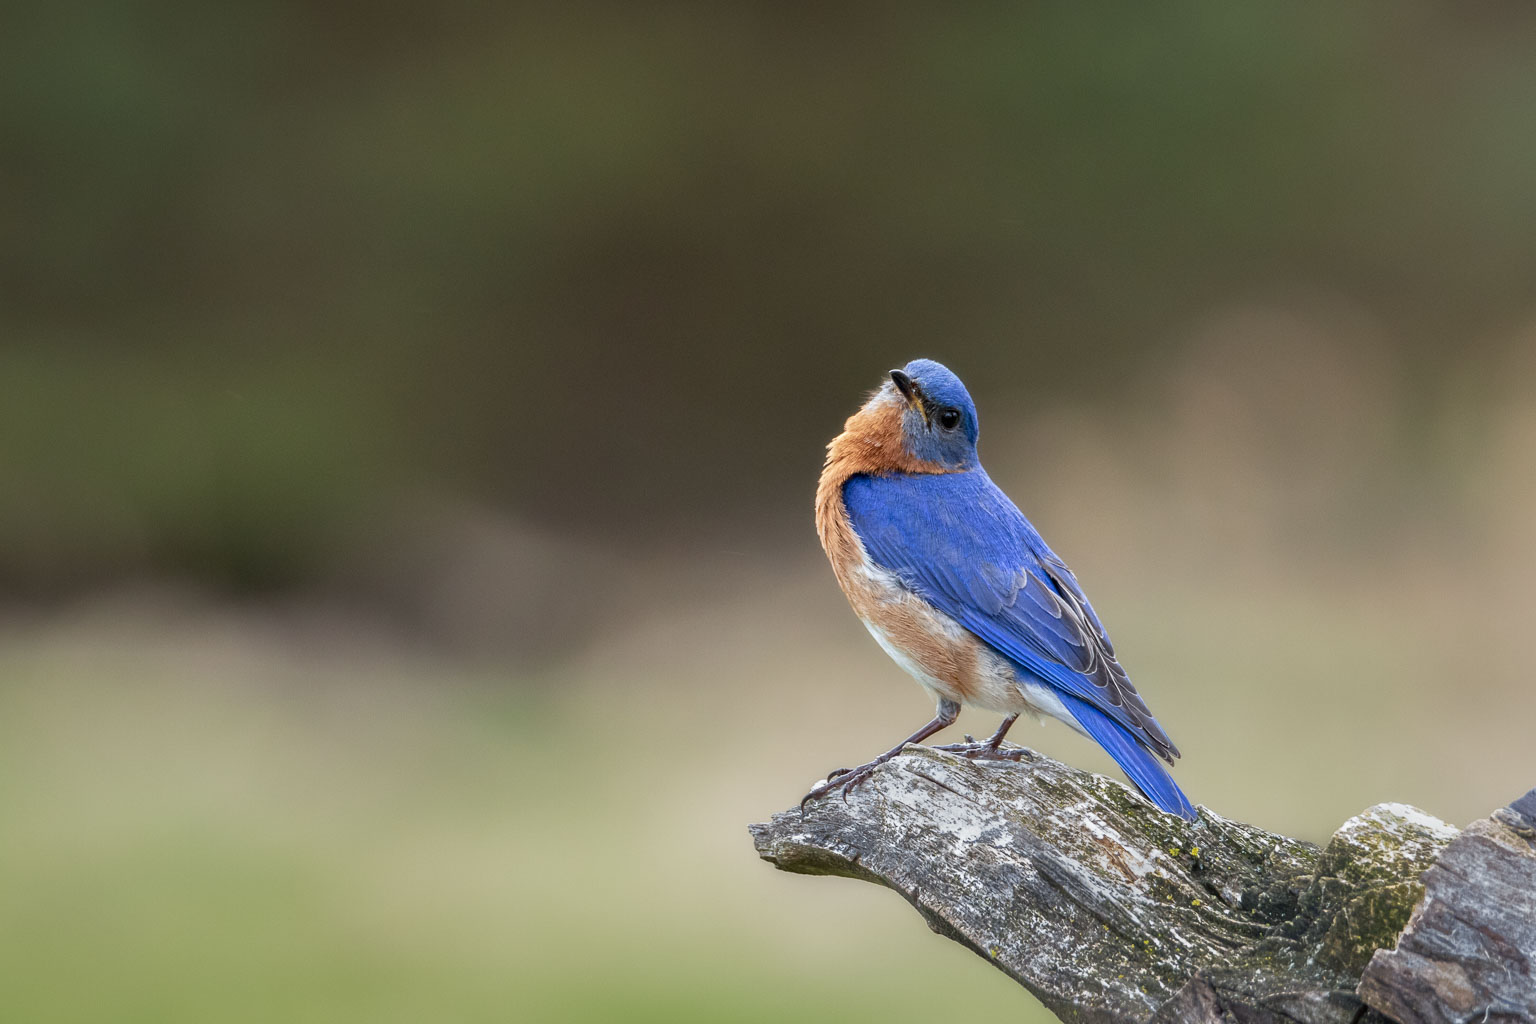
[{"x": 871, "y": 443}]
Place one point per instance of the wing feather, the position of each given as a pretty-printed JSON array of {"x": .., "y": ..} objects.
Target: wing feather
[{"x": 956, "y": 540}]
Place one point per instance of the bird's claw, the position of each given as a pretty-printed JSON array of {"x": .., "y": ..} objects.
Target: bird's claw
[
  {"x": 987, "y": 751},
  {"x": 844, "y": 779}
]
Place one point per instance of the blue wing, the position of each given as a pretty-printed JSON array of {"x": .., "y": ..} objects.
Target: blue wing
[{"x": 956, "y": 540}]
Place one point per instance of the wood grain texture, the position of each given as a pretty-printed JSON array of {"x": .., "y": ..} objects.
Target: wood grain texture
[
  {"x": 1111, "y": 911},
  {"x": 1469, "y": 952}
]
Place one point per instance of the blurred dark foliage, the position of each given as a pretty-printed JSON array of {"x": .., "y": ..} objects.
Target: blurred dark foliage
[{"x": 620, "y": 270}]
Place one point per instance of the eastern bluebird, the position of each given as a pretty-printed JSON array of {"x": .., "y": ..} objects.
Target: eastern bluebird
[{"x": 960, "y": 590}]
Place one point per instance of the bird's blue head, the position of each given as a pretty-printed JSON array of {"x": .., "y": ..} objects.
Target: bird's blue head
[{"x": 939, "y": 422}]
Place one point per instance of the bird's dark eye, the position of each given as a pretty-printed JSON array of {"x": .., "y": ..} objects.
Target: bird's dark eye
[{"x": 949, "y": 419}]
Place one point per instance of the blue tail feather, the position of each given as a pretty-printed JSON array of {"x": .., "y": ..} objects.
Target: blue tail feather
[{"x": 1137, "y": 761}]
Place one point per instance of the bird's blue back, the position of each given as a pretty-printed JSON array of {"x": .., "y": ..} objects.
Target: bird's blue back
[{"x": 957, "y": 541}]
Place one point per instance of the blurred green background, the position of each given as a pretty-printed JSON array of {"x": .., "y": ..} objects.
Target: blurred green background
[{"x": 407, "y": 584}]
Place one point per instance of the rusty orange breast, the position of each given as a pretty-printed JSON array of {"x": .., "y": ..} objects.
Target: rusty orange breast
[{"x": 871, "y": 444}]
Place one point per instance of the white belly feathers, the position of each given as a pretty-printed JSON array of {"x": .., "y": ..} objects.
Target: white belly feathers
[{"x": 892, "y": 613}]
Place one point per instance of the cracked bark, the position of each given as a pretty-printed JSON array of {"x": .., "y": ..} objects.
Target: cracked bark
[{"x": 1112, "y": 912}]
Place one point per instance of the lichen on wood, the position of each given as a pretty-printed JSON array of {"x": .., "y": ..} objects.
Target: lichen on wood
[
  {"x": 1469, "y": 952},
  {"x": 1109, "y": 910}
]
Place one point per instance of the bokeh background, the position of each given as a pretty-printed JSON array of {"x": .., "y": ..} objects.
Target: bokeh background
[{"x": 411, "y": 416}]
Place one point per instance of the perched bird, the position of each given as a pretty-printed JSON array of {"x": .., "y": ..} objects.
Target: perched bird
[{"x": 960, "y": 590}]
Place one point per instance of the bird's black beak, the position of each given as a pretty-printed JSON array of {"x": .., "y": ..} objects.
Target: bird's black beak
[{"x": 911, "y": 392}]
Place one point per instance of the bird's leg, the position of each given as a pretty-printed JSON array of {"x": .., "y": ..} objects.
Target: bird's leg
[
  {"x": 846, "y": 779},
  {"x": 1002, "y": 730},
  {"x": 992, "y": 749}
]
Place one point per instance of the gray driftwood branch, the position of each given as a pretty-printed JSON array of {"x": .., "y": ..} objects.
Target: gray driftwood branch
[{"x": 1110, "y": 911}]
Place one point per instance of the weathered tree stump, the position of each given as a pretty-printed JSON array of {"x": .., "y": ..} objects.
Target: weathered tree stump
[{"x": 1109, "y": 910}]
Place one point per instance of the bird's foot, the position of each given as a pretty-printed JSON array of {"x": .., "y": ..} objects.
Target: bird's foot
[
  {"x": 845, "y": 779},
  {"x": 988, "y": 751}
]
